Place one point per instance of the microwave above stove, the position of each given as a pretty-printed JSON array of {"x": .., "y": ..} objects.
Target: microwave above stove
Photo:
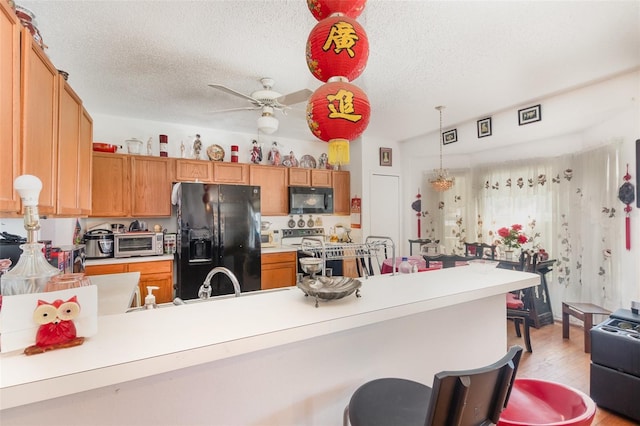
[
  {"x": 310, "y": 200},
  {"x": 129, "y": 244}
]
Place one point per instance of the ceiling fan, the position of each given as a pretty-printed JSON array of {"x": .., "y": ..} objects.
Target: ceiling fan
[{"x": 266, "y": 100}]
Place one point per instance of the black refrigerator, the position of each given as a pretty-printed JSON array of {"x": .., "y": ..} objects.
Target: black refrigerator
[{"x": 218, "y": 225}]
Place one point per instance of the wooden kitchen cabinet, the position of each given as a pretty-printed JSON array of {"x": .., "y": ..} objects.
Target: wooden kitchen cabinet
[
  {"x": 85, "y": 164},
  {"x": 321, "y": 178},
  {"x": 74, "y": 138},
  {"x": 299, "y": 177},
  {"x": 39, "y": 117},
  {"x": 131, "y": 185},
  {"x": 111, "y": 185},
  {"x": 341, "y": 192},
  {"x": 151, "y": 179},
  {"x": 278, "y": 270},
  {"x": 274, "y": 192},
  {"x": 10, "y": 28},
  {"x": 159, "y": 274},
  {"x": 309, "y": 177},
  {"x": 231, "y": 173},
  {"x": 194, "y": 171},
  {"x": 155, "y": 273}
]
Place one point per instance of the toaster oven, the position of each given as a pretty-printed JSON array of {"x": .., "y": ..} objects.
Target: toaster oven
[{"x": 129, "y": 244}]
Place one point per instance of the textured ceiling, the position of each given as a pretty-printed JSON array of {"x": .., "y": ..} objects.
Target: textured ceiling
[{"x": 154, "y": 59}]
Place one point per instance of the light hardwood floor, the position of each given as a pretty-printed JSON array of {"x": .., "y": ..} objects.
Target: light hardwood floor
[{"x": 561, "y": 360}]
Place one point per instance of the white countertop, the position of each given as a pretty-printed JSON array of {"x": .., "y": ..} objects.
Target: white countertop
[{"x": 146, "y": 343}]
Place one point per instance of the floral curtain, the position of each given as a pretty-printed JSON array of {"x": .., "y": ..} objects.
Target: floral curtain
[{"x": 567, "y": 206}]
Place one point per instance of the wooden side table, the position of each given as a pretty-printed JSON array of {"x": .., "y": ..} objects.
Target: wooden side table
[{"x": 583, "y": 312}]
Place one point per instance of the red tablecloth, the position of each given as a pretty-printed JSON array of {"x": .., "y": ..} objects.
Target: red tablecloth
[{"x": 419, "y": 260}]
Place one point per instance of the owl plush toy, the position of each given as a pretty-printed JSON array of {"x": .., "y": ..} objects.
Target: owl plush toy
[{"x": 56, "y": 329}]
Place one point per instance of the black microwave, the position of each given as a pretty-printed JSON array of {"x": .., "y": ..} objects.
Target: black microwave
[{"x": 310, "y": 199}]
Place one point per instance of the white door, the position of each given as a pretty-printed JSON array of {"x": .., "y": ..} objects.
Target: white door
[{"x": 385, "y": 207}]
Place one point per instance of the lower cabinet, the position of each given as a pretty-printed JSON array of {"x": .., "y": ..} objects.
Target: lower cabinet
[
  {"x": 157, "y": 273},
  {"x": 278, "y": 270}
]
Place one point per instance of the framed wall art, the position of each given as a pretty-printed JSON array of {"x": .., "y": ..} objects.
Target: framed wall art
[
  {"x": 450, "y": 136},
  {"x": 385, "y": 157},
  {"x": 529, "y": 115},
  {"x": 484, "y": 127}
]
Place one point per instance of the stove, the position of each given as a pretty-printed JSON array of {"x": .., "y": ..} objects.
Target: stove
[
  {"x": 294, "y": 236},
  {"x": 615, "y": 363}
]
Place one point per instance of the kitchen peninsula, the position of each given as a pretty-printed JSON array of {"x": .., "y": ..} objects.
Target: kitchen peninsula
[{"x": 265, "y": 357}]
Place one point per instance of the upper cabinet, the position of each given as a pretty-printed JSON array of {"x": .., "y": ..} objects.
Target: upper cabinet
[
  {"x": 231, "y": 173},
  {"x": 299, "y": 177},
  {"x": 44, "y": 129},
  {"x": 321, "y": 178},
  {"x": 10, "y": 28},
  {"x": 194, "y": 171},
  {"x": 74, "y": 154},
  {"x": 341, "y": 193},
  {"x": 110, "y": 185},
  {"x": 151, "y": 179},
  {"x": 39, "y": 117},
  {"x": 274, "y": 194},
  {"x": 131, "y": 185},
  {"x": 309, "y": 177}
]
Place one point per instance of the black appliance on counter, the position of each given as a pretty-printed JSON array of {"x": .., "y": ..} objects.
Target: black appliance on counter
[
  {"x": 615, "y": 363},
  {"x": 10, "y": 247},
  {"x": 218, "y": 225}
]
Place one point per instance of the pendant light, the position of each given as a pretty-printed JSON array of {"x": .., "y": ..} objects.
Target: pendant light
[{"x": 441, "y": 180}]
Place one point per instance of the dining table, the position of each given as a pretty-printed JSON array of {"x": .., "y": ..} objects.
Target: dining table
[{"x": 387, "y": 264}]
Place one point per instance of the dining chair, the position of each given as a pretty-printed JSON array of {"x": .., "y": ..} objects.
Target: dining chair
[
  {"x": 447, "y": 260},
  {"x": 517, "y": 310},
  {"x": 430, "y": 249},
  {"x": 465, "y": 398},
  {"x": 480, "y": 250}
]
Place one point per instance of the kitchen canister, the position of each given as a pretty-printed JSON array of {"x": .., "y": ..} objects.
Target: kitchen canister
[
  {"x": 234, "y": 153},
  {"x": 164, "y": 146}
]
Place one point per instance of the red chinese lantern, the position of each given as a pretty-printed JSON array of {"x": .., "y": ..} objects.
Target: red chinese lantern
[
  {"x": 321, "y": 9},
  {"x": 337, "y": 46},
  {"x": 336, "y": 113}
]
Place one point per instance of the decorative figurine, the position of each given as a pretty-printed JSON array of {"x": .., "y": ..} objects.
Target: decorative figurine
[
  {"x": 181, "y": 149},
  {"x": 56, "y": 329},
  {"x": 293, "y": 161},
  {"x": 323, "y": 161},
  {"x": 197, "y": 147},
  {"x": 256, "y": 152},
  {"x": 149, "y": 146},
  {"x": 274, "y": 154}
]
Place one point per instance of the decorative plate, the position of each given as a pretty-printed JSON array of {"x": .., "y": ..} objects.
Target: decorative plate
[
  {"x": 308, "y": 162},
  {"x": 215, "y": 152}
]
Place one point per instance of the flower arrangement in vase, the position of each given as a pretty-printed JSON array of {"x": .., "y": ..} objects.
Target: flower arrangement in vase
[{"x": 512, "y": 238}]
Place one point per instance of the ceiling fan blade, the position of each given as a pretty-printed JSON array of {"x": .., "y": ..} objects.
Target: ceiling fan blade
[
  {"x": 235, "y": 109},
  {"x": 294, "y": 98},
  {"x": 235, "y": 93}
]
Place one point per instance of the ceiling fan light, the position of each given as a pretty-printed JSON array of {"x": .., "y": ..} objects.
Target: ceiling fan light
[{"x": 267, "y": 124}]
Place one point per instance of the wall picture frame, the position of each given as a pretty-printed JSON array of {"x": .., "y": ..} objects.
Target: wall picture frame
[
  {"x": 386, "y": 157},
  {"x": 484, "y": 127},
  {"x": 529, "y": 115},
  {"x": 450, "y": 136}
]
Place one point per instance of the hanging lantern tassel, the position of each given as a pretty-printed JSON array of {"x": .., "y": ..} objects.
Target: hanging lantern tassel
[
  {"x": 338, "y": 151},
  {"x": 626, "y": 194},
  {"x": 417, "y": 207}
]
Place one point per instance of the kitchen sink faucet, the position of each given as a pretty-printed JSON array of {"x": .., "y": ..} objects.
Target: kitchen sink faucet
[{"x": 205, "y": 289}]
